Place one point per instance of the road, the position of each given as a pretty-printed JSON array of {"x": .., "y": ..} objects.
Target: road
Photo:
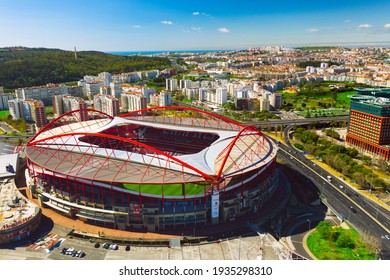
[
  {"x": 365, "y": 215},
  {"x": 297, "y": 121},
  {"x": 6, "y": 148}
]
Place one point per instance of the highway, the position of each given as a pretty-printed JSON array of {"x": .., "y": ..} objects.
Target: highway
[
  {"x": 297, "y": 121},
  {"x": 364, "y": 214}
]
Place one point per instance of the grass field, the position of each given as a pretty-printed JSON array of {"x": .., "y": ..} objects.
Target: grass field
[
  {"x": 169, "y": 190},
  {"x": 318, "y": 101},
  {"x": 4, "y": 114},
  {"x": 324, "y": 249}
]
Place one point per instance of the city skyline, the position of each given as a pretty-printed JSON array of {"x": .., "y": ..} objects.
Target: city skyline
[{"x": 180, "y": 25}]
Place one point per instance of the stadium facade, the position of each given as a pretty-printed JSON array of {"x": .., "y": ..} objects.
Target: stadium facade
[{"x": 155, "y": 169}]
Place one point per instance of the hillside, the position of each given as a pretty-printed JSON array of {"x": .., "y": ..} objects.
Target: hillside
[{"x": 23, "y": 67}]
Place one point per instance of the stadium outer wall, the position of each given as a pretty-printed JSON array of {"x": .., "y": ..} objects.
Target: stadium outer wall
[{"x": 111, "y": 205}]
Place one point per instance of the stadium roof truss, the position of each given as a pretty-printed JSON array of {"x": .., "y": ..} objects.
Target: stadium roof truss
[{"x": 76, "y": 144}]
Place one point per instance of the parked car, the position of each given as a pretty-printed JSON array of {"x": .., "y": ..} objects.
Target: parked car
[{"x": 113, "y": 247}]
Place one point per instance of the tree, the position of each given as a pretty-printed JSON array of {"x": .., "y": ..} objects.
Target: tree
[
  {"x": 229, "y": 106},
  {"x": 344, "y": 240},
  {"x": 324, "y": 228}
]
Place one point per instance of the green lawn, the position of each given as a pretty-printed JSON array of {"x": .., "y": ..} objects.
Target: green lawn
[
  {"x": 4, "y": 114},
  {"x": 324, "y": 249},
  {"x": 171, "y": 189},
  {"x": 307, "y": 101}
]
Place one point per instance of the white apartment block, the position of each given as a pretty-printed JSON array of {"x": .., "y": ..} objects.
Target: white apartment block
[
  {"x": 133, "y": 102},
  {"x": 91, "y": 89},
  {"x": 184, "y": 84},
  {"x": 116, "y": 89},
  {"x": 171, "y": 84},
  {"x": 30, "y": 110},
  {"x": 221, "y": 94},
  {"x": 165, "y": 99},
  {"x": 4, "y": 97},
  {"x": 146, "y": 92},
  {"x": 264, "y": 104},
  {"x": 105, "y": 90},
  {"x": 241, "y": 94},
  {"x": 192, "y": 93},
  {"x": 71, "y": 103},
  {"x": 42, "y": 93},
  {"x": 105, "y": 78},
  {"x": 202, "y": 94},
  {"x": 106, "y": 104},
  {"x": 276, "y": 100}
]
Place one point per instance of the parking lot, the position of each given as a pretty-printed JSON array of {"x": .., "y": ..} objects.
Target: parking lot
[{"x": 254, "y": 247}]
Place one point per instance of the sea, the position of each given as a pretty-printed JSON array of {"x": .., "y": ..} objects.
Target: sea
[{"x": 151, "y": 53}]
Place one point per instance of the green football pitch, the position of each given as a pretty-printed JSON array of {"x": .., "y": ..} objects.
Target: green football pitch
[{"x": 169, "y": 189}]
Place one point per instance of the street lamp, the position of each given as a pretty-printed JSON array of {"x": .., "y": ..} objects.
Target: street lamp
[{"x": 309, "y": 223}]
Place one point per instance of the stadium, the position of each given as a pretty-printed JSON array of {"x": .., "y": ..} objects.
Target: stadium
[{"x": 156, "y": 169}]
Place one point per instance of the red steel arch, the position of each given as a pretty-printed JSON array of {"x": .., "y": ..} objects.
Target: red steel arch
[
  {"x": 207, "y": 177},
  {"x": 211, "y": 115},
  {"x": 232, "y": 144},
  {"x": 57, "y": 120}
]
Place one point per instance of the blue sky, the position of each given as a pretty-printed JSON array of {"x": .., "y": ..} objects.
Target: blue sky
[{"x": 142, "y": 25}]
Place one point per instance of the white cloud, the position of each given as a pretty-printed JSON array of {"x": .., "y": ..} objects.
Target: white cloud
[
  {"x": 195, "y": 13},
  {"x": 223, "y": 30},
  {"x": 387, "y": 25},
  {"x": 166, "y": 22},
  {"x": 137, "y": 26},
  {"x": 311, "y": 30},
  {"x": 365, "y": 26},
  {"x": 198, "y": 29},
  {"x": 347, "y": 20}
]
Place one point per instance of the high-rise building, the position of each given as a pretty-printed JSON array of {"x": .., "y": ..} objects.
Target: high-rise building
[
  {"x": 116, "y": 89},
  {"x": 105, "y": 90},
  {"x": 106, "y": 104},
  {"x": 165, "y": 99},
  {"x": 133, "y": 102},
  {"x": 16, "y": 108},
  {"x": 4, "y": 97},
  {"x": 185, "y": 83},
  {"x": 58, "y": 106},
  {"x": 39, "y": 114},
  {"x": 30, "y": 110},
  {"x": 154, "y": 99},
  {"x": 264, "y": 104},
  {"x": 105, "y": 78},
  {"x": 171, "y": 84},
  {"x": 71, "y": 103},
  {"x": 369, "y": 124},
  {"x": 147, "y": 92},
  {"x": 275, "y": 100},
  {"x": 221, "y": 96},
  {"x": 91, "y": 89},
  {"x": 43, "y": 93}
]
